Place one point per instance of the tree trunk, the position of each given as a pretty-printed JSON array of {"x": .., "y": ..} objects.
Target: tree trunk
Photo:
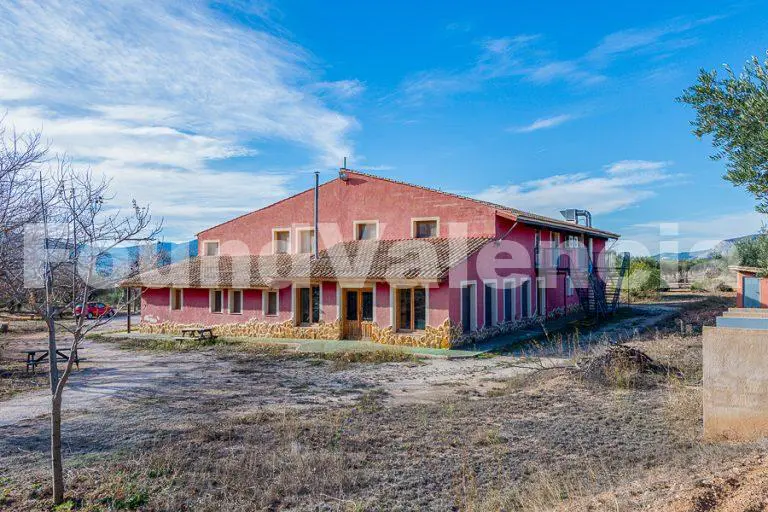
[
  {"x": 56, "y": 463},
  {"x": 54, "y": 369}
]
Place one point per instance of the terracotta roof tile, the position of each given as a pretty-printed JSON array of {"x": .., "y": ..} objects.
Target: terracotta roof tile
[{"x": 428, "y": 259}]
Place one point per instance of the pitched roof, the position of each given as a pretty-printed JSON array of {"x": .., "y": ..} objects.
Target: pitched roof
[
  {"x": 221, "y": 272},
  {"x": 522, "y": 216},
  {"x": 421, "y": 258},
  {"x": 426, "y": 258}
]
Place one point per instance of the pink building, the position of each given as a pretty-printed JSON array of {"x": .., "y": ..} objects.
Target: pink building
[{"x": 397, "y": 263}]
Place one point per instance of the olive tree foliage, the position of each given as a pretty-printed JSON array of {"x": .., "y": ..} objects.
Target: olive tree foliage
[
  {"x": 56, "y": 224},
  {"x": 733, "y": 110},
  {"x": 753, "y": 252}
]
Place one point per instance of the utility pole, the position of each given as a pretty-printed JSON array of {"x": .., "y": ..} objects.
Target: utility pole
[
  {"x": 317, "y": 210},
  {"x": 128, "y": 301}
]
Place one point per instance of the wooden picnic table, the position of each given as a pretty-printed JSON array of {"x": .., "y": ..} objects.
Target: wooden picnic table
[
  {"x": 199, "y": 333},
  {"x": 62, "y": 355}
]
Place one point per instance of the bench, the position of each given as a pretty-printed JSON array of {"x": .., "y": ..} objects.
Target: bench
[
  {"x": 198, "y": 334},
  {"x": 62, "y": 355}
]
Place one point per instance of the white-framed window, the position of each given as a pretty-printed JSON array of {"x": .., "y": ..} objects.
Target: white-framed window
[
  {"x": 235, "y": 302},
  {"x": 425, "y": 227},
  {"x": 526, "y": 309},
  {"x": 555, "y": 248},
  {"x": 216, "y": 301},
  {"x": 490, "y": 303},
  {"x": 306, "y": 240},
  {"x": 509, "y": 300},
  {"x": 541, "y": 296},
  {"x": 177, "y": 299},
  {"x": 568, "y": 286},
  {"x": 271, "y": 301},
  {"x": 281, "y": 241},
  {"x": 211, "y": 248},
  {"x": 366, "y": 229},
  {"x": 469, "y": 305}
]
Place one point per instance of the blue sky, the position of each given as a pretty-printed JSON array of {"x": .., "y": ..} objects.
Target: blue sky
[{"x": 208, "y": 110}]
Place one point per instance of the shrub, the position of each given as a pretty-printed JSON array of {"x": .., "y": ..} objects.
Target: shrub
[
  {"x": 722, "y": 287},
  {"x": 698, "y": 286},
  {"x": 644, "y": 277}
]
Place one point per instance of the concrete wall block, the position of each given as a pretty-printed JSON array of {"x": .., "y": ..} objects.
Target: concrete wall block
[{"x": 735, "y": 383}]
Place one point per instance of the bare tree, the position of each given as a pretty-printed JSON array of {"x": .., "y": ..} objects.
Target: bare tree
[
  {"x": 21, "y": 158},
  {"x": 67, "y": 228}
]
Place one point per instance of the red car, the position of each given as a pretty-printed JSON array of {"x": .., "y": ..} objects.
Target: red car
[{"x": 95, "y": 310}]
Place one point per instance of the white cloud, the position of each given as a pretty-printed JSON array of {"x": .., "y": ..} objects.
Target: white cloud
[
  {"x": 600, "y": 193},
  {"x": 13, "y": 88},
  {"x": 638, "y": 39},
  {"x": 193, "y": 200},
  {"x": 523, "y": 56},
  {"x": 700, "y": 233},
  {"x": 623, "y": 166},
  {"x": 150, "y": 94},
  {"x": 545, "y": 122},
  {"x": 341, "y": 88}
]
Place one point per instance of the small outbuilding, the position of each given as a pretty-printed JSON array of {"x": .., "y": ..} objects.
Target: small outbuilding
[{"x": 751, "y": 287}]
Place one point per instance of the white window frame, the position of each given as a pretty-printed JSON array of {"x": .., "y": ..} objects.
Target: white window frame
[
  {"x": 230, "y": 301},
  {"x": 472, "y": 300},
  {"x": 170, "y": 301},
  {"x": 274, "y": 241},
  {"x": 494, "y": 301},
  {"x": 414, "y": 220},
  {"x": 265, "y": 303},
  {"x": 297, "y": 247},
  {"x": 529, "y": 298},
  {"x": 568, "y": 286},
  {"x": 509, "y": 284},
  {"x": 543, "y": 297},
  {"x": 357, "y": 223},
  {"x": 556, "y": 248},
  {"x": 211, "y": 301},
  {"x": 206, "y": 243}
]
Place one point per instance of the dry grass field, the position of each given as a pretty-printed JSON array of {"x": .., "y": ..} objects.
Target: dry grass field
[{"x": 253, "y": 427}]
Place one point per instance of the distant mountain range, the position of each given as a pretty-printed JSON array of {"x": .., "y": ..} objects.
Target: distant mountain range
[
  {"x": 158, "y": 254},
  {"x": 723, "y": 248}
]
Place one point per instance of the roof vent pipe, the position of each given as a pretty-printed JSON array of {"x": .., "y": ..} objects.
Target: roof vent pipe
[{"x": 572, "y": 215}]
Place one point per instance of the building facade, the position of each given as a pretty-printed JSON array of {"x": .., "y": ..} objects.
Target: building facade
[{"x": 397, "y": 263}]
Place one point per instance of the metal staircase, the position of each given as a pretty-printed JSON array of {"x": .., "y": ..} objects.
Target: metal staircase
[{"x": 596, "y": 286}]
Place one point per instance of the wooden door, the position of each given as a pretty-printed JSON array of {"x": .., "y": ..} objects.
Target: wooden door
[{"x": 357, "y": 305}]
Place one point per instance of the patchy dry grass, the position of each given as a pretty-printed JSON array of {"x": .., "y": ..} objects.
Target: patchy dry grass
[
  {"x": 547, "y": 440},
  {"x": 238, "y": 347},
  {"x": 14, "y": 378}
]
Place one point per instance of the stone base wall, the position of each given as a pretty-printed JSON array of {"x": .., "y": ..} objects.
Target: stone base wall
[
  {"x": 447, "y": 335},
  {"x": 444, "y": 336},
  {"x": 254, "y": 329}
]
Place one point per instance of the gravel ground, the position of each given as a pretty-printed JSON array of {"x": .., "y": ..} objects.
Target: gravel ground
[{"x": 230, "y": 429}]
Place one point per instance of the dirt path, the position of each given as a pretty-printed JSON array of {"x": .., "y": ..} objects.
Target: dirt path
[{"x": 106, "y": 372}]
